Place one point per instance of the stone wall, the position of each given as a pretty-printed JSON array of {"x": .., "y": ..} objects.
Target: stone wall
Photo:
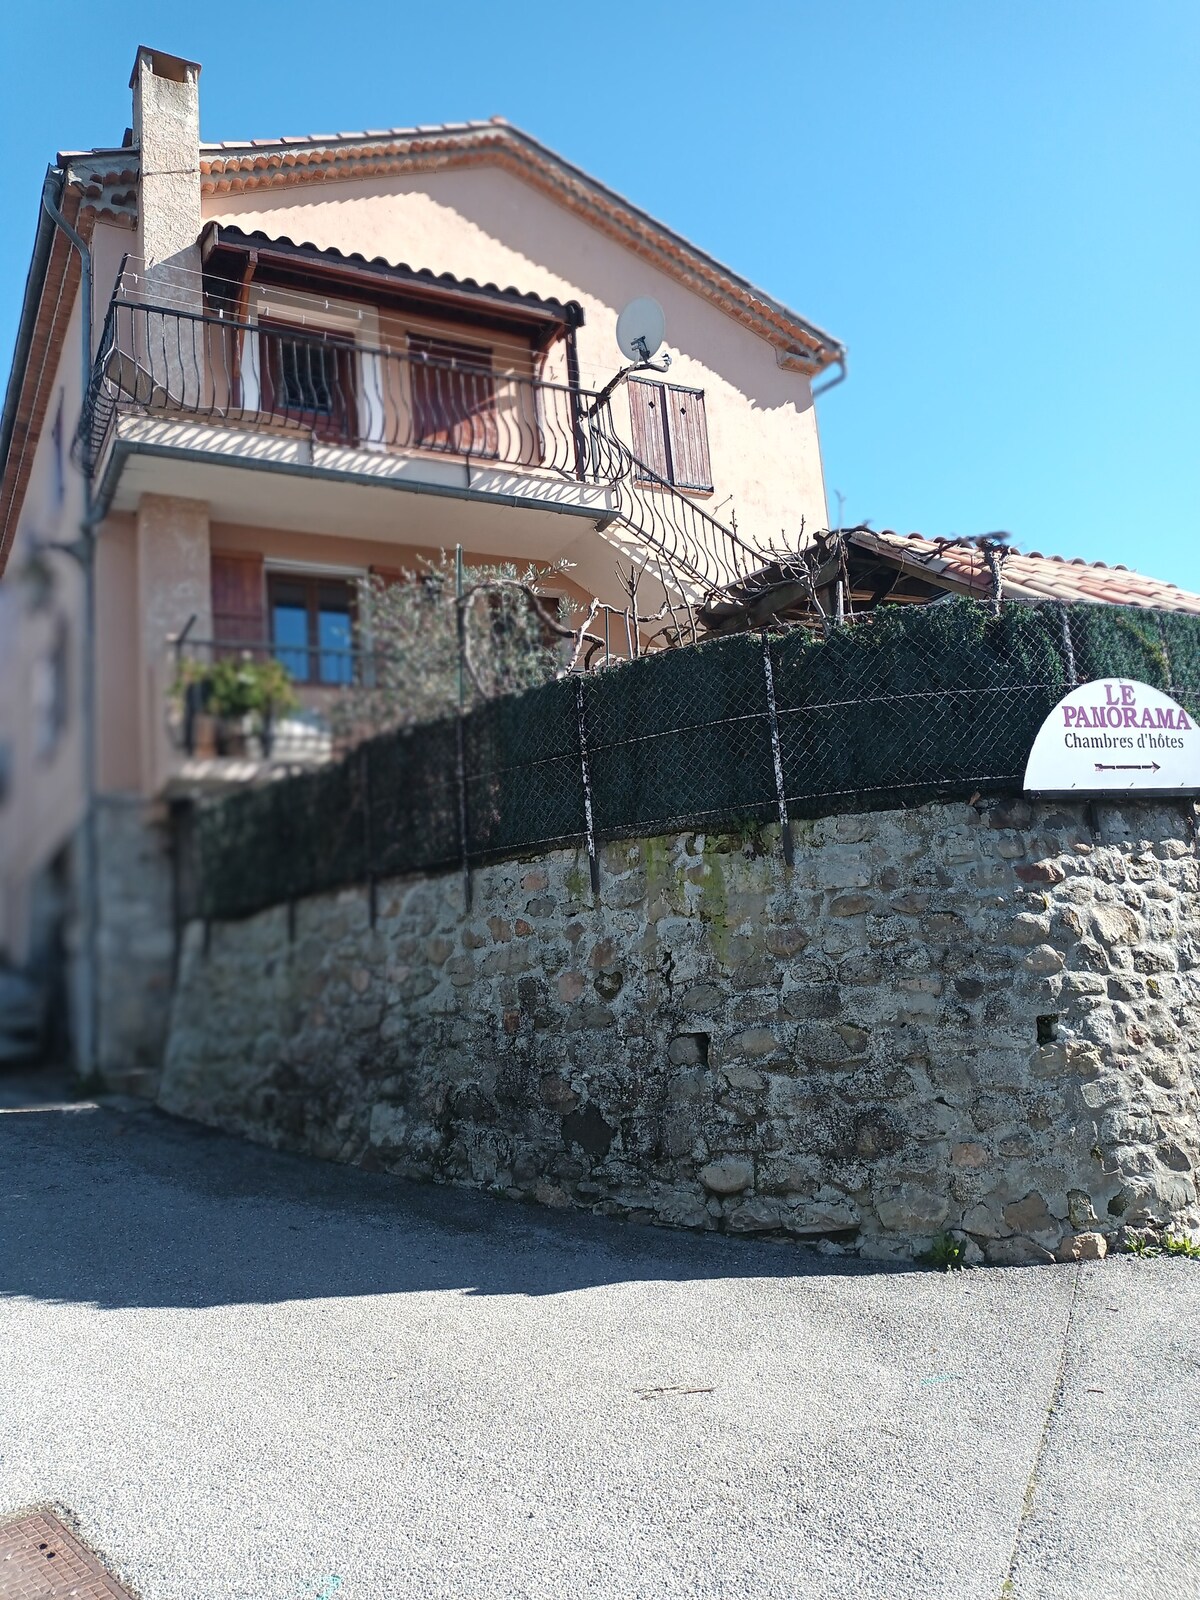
[
  {"x": 135, "y": 940},
  {"x": 947, "y": 1019}
]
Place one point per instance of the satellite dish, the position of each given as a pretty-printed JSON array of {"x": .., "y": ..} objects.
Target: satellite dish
[{"x": 641, "y": 328}]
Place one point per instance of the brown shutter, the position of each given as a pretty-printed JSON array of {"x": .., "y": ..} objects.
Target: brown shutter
[
  {"x": 237, "y": 599},
  {"x": 687, "y": 429},
  {"x": 647, "y": 413}
]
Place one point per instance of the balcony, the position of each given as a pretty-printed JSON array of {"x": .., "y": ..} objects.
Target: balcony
[
  {"x": 184, "y": 398},
  {"x": 436, "y": 416},
  {"x": 215, "y": 739}
]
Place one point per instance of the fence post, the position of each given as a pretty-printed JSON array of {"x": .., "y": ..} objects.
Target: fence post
[
  {"x": 1068, "y": 646},
  {"x": 461, "y": 615},
  {"x": 368, "y": 840},
  {"x": 785, "y": 826},
  {"x": 588, "y": 821}
]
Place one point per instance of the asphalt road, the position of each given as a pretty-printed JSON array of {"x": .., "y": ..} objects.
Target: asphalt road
[{"x": 253, "y": 1377}]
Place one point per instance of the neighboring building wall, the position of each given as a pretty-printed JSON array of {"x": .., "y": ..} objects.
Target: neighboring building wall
[
  {"x": 41, "y": 711},
  {"x": 485, "y": 224},
  {"x": 939, "y": 1019}
]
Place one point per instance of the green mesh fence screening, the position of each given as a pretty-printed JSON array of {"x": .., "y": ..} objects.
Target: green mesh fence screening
[{"x": 908, "y": 705}]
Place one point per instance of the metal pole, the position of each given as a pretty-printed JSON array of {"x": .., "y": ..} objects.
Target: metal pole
[
  {"x": 785, "y": 826},
  {"x": 1064, "y": 617},
  {"x": 368, "y": 836},
  {"x": 461, "y": 623},
  {"x": 589, "y": 827},
  {"x": 89, "y": 1044}
]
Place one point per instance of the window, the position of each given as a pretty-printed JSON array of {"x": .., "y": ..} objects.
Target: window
[
  {"x": 312, "y": 626},
  {"x": 308, "y": 377},
  {"x": 670, "y": 433},
  {"x": 453, "y": 397}
]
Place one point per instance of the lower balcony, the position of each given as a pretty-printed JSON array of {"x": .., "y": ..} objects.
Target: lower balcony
[{"x": 239, "y": 710}]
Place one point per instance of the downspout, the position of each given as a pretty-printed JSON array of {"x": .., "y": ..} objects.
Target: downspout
[
  {"x": 832, "y": 383},
  {"x": 574, "y": 320},
  {"x": 86, "y": 552}
]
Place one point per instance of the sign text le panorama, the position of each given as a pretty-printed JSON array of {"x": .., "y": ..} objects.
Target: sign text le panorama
[{"x": 1115, "y": 736}]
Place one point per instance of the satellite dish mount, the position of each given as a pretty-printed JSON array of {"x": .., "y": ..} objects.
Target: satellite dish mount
[
  {"x": 641, "y": 328},
  {"x": 640, "y": 331}
]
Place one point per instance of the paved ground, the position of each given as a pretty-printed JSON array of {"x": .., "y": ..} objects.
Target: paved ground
[{"x": 253, "y": 1377}]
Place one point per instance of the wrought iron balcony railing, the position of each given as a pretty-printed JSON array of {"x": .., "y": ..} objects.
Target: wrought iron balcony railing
[{"x": 171, "y": 364}]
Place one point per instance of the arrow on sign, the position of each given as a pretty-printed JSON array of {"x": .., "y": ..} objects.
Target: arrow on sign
[{"x": 1147, "y": 766}]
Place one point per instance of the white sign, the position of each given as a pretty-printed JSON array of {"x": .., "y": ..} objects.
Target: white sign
[{"x": 1115, "y": 736}]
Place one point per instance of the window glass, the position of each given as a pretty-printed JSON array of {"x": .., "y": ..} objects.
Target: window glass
[
  {"x": 312, "y": 626},
  {"x": 333, "y": 635},
  {"x": 289, "y": 626}
]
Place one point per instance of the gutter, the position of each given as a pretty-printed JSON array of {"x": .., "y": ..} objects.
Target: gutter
[
  {"x": 43, "y": 246},
  {"x": 832, "y": 383}
]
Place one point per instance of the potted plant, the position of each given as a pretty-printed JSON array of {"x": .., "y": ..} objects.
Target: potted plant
[
  {"x": 232, "y": 691},
  {"x": 192, "y": 691}
]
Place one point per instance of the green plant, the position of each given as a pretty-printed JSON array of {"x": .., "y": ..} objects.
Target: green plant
[
  {"x": 189, "y": 673},
  {"x": 946, "y": 1254},
  {"x": 745, "y": 834},
  {"x": 423, "y": 642},
  {"x": 1141, "y": 1244},
  {"x": 1178, "y": 1244},
  {"x": 239, "y": 686}
]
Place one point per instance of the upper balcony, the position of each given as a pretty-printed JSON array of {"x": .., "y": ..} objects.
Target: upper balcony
[
  {"x": 287, "y": 390},
  {"x": 287, "y": 382}
]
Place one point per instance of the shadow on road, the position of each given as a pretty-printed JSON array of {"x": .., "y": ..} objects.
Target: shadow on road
[{"x": 132, "y": 1208}]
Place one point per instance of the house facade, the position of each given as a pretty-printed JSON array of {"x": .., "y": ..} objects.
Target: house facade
[{"x": 249, "y": 374}]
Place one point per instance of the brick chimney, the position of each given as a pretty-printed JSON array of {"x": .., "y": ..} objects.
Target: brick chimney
[{"x": 166, "y": 131}]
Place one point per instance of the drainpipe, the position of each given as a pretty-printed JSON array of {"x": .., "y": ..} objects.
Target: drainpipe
[
  {"x": 85, "y": 552},
  {"x": 832, "y": 383}
]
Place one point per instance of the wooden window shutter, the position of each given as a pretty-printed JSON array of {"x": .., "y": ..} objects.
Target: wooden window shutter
[
  {"x": 647, "y": 413},
  {"x": 687, "y": 431},
  {"x": 238, "y": 601}
]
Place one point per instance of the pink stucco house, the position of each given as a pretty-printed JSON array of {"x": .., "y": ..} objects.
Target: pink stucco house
[
  {"x": 247, "y": 374},
  {"x": 250, "y": 373}
]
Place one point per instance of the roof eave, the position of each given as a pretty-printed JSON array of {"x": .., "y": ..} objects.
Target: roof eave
[
  {"x": 833, "y": 347},
  {"x": 801, "y": 345},
  {"x": 43, "y": 246}
]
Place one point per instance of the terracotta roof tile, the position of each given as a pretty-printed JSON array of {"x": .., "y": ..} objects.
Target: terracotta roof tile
[
  {"x": 216, "y": 236},
  {"x": 1030, "y": 576}
]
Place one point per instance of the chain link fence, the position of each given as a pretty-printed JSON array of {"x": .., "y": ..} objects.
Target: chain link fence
[{"x": 905, "y": 705}]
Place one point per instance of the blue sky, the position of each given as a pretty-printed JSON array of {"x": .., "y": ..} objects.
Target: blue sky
[{"x": 992, "y": 202}]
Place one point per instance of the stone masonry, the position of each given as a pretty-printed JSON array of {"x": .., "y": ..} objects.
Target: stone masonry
[{"x": 978, "y": 1021}]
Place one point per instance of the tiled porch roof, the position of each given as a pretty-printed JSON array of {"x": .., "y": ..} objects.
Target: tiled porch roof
[
  {"x": 963, "y": 568},
  {"x": 301, "y": 253}
]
